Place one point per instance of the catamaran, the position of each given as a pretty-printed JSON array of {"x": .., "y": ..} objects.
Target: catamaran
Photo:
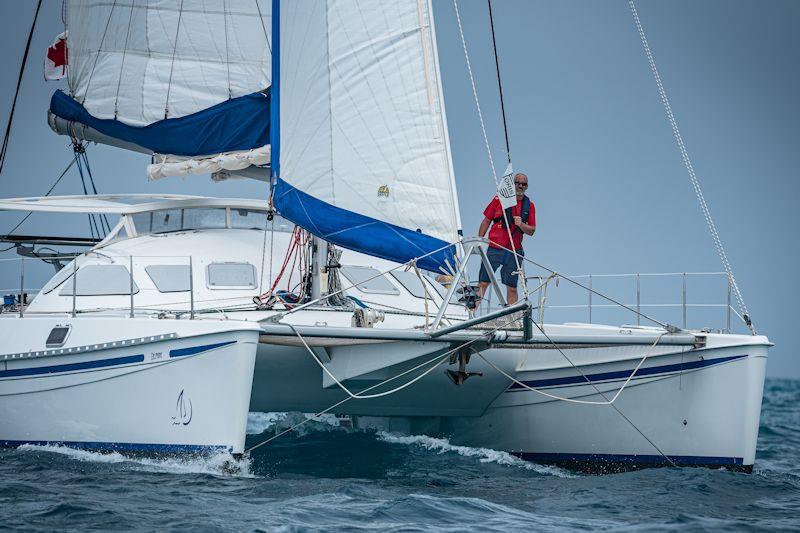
[{"x": 349, "y": 290}]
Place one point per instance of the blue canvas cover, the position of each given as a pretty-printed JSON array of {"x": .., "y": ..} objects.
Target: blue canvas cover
[
  {"x": 358, "y": 232},
  {"x": 237, "y": 124}
]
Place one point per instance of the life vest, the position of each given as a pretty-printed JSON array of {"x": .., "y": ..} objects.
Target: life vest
[{"x": 526, "y": 211}]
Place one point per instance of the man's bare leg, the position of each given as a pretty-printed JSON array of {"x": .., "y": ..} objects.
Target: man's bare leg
[
  {"x": 482, "y": 286},
  {"x": 511, "y": 295}
]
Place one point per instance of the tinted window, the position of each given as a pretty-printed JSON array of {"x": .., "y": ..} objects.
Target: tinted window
[
  {"x": 410, "y": 281},
  {"x": 169, "y": 278},
  {"x": 203, "y": 218},
  {"x": 231, "y": 276},
  {"x": 100, "y": 280},
  {"x": 57, "y": 336},
  {"x": 247, "y": 219},
  {"x": 360, "y": 277},
  {"x": 60, "y": 277}
]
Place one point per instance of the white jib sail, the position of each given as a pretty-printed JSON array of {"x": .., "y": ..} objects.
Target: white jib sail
[
  {"x": 362, "y": 116},
  {"x": 137, "y": 60}
]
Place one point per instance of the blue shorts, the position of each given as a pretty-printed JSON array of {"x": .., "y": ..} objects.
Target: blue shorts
[{"x": 508, "y": 267}]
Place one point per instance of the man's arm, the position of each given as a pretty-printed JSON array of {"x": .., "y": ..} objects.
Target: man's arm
[
  {"x": 484, "y": 227},
  {"x": 527, "y": 229}
]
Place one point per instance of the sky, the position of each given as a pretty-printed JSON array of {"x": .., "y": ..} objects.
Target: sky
[{"x": 585, "y": 124}]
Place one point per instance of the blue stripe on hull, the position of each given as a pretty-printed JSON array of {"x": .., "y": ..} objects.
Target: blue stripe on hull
[
  {"x": 180, "y": 352},
  {"x": 105, "y": 363},
  {"x": 121, "y": 446},
  {"x": 71, "y": 367},
  {"x": 606, "y": 463},
  {"x": 361, "y": 233},
  {"x": 624, "y": 374}
]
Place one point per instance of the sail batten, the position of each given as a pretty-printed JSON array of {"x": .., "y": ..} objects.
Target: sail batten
[{"x": 362, "y": 126}]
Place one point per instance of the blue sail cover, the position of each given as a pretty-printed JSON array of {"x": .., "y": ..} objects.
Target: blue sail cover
[
  {"x": 359, "y": 232},
  {"x": 237, "y": 124}
]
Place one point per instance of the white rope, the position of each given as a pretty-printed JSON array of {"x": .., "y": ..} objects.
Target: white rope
[
  {"x": 361, "y": 395},
  {"x": 486, "y": 144},
  {"x": 689, "y": 167},
  {"x": 588, "y": 382}
]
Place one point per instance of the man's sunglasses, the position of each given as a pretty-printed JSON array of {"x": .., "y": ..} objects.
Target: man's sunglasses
[{"x": 520, "y": 184}]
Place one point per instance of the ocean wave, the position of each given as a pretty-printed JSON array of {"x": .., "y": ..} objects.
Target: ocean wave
[
  {"x": 219, "y": 464},
  {"x": 484, "y": 455}
]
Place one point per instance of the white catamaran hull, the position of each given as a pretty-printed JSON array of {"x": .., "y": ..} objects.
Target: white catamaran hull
[
  {"x": 127, "y": 384},
  {"x": 698, "y": 408}
]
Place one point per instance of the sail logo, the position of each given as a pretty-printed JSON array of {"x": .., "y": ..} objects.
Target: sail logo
[
  {"x": 183, "y": 410},
  {"x": 383, "y": 191}
]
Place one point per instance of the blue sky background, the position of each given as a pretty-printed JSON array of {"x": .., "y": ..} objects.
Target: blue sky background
[{"x": 586, "y": 125}]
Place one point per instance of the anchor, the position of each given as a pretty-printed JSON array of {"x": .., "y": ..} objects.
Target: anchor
[{"x": 458, "y": 377}]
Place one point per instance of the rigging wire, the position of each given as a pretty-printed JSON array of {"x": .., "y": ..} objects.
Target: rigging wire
[
  {"x": 7, "y": 135},
  {"x": 53, "y": 186},
  {"x": 499, "y": 82},
  {"x": 687, "y": 162}
]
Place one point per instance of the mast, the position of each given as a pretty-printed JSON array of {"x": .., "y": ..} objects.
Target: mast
[{"x": 275, "y": 91}]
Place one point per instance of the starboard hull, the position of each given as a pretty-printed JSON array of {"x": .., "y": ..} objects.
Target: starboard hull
[{"x": 696, "y": 409}]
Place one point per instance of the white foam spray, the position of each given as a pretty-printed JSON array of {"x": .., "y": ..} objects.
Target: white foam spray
[
  {"x": 484, "y": 455},
  {"x": 218, "y": 464}
]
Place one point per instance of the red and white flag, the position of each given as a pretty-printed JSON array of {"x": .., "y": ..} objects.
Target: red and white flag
[{"x": 55, "y": 62}]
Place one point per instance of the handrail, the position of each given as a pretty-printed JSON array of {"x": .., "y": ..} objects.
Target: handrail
[{"x": 684, "y": 304}]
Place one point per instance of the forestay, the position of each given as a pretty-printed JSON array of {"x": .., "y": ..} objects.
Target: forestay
[
  {"x": 365, "y": 157},
  {"x": 134, "y": 63}
]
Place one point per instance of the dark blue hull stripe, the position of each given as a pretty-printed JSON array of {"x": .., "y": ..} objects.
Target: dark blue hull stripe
[
  {"x": 104, "y": 363},
  {"x": 71, "y": 367},
  {"x": 685, "y": 460},
  {"x": 180, "y": 352},
  {"x": 120, "y": 446},
  {"x": 624, "y": 374}
]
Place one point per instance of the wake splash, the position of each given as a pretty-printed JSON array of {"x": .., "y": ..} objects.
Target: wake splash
[
  {"x": 219, "y": 464},
  {"x": 484, "y": 455}
]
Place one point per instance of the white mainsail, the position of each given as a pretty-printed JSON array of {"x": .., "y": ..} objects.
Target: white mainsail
[{"x": 364, "y": 149}]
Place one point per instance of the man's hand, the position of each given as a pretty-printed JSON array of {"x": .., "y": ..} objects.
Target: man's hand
[{"x": 518, "y": 222}]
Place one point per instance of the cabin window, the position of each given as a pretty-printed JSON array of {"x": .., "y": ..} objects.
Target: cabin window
[
  {"x": 203, "y": 218},
  {"x": 248, "y": 219},
  {"x": 169, "y": 220},
  {"x": 410, "y": 281},
  {"x": 231, "y": 276},
  {"x": 57, "y": 336},
  {"x": 360, "y": 277},
  {"x": 169, "y": 278},
  {"x": 100, "y": 280},
  {"x": 60, "y": 277}
]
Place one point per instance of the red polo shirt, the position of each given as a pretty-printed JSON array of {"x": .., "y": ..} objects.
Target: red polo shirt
[{"x": 498, "y": 234}]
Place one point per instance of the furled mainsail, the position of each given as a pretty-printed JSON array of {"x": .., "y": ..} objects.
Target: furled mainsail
[
  {"x": 152, "y": 72},
  {"x": 364, "y": 150}
]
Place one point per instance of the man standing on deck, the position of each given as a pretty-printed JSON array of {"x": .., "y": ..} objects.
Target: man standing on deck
[{"x": 522, "y": 219}]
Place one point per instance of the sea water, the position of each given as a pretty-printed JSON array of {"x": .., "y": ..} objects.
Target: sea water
[{"x": 326, "y": 477}]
